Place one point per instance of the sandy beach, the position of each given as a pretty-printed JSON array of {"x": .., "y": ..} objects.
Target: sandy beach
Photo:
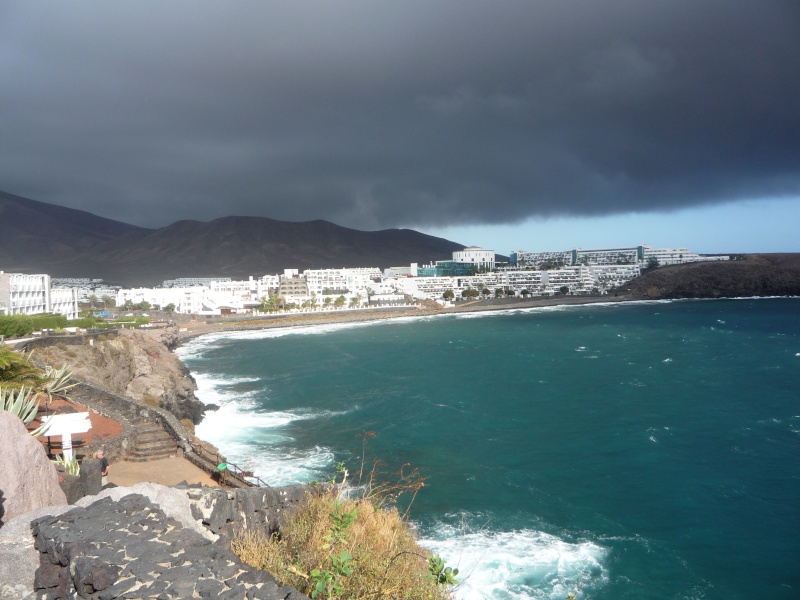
[{"x": 189, "y": 329}]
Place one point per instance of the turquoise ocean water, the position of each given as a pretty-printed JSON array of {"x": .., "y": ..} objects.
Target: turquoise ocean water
[{"x": 637, "y": 450}]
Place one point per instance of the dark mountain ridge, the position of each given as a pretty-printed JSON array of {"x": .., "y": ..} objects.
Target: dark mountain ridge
[{"x": 36, "y": 237}]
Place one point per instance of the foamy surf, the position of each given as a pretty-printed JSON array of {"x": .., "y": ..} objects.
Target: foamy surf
[
  {"x": 253, "y": 438},
  {"x": 519, "y": 565}
]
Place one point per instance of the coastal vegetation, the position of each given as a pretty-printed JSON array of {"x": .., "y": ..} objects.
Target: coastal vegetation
[
  {"x": 23, "y": 325},
  {"x": 352, "y": 542},
  {"x": 23, "y": 385}
]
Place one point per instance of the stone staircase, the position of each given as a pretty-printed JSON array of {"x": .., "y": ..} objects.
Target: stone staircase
[{"x": 152, "y": 443}]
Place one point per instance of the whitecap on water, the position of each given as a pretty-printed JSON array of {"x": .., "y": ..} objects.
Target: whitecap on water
[{"x": 518, "y": 564}]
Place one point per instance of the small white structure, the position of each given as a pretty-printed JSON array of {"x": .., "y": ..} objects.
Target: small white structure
[{"x": 65, "y": 426}]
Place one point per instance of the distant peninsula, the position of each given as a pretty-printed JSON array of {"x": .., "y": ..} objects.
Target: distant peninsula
[{"x": 746, "y": 275}]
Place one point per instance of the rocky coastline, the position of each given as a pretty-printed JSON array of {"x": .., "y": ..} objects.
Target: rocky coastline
[{"x": 151, "y": 540}]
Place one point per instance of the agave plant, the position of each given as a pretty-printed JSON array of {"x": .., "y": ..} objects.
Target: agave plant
[
  {"x": 56, "y": 382},
  {"x": 22, "y": 403}
]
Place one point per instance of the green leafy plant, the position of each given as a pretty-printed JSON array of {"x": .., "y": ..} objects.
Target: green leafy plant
[
  {"x": 441, "y": 574},
  {"x": 342, "y": 520},
  {"x": 329, "y": 581}
]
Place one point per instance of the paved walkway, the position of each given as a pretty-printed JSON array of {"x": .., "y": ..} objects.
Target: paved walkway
[{"x": 167, "y": 471}]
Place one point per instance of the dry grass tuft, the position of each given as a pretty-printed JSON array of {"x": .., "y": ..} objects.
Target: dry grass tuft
[
  {"x": 150, "y": 400},
  {"x": 387, "y": 561},
  {"x": 188, "y": 424}
]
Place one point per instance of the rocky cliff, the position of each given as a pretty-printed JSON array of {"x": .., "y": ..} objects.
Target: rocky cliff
[{"x": 135, "y": 363}]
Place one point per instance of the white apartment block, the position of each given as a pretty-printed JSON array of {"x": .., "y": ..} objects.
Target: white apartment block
[
  {"x": 64, "y": 301},
  {"x": 483, "y": 259},
  {"x": 475, "y": 282},
  {"x": 425, "y": 288},
  {"x": 536, "y": 259},
  {"x": 218, "y": 295},
  {"x": 521, "y": 280},
  {"x": 674, "y": 256},
  {"x": 336, "y": 281},
  {"x": 579, "y": 279},
  {"x": 23, "y": 294},
  {"x": 191, "y": 281},
  {"x": 187, "y": 300},
  {"x": 612, "y": 276}
]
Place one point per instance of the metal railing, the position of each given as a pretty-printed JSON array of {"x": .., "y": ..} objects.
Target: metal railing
[{"x": 233, "y": 470}]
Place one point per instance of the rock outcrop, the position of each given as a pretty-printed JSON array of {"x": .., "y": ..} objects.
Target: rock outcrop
[
  {"x": 147, "y": 540},
  {"x": 132, "y": 549},
  {"x": 135, "y": 363},
  {"x": 28, "y": 480}
]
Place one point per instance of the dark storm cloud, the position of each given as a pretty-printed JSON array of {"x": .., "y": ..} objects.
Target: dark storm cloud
[{"x": 378, "y": 114}]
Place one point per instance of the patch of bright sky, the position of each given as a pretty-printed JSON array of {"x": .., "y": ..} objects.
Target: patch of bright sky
[{"x": 771, "y": 225}]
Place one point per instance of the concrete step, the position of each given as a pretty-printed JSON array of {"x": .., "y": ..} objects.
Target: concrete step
[
  {"x": 161, "y": 443},
  {"x": 148, "y": 427},
  {"x": 155, "y": 436},
  {"x": 145, "y": 454}
]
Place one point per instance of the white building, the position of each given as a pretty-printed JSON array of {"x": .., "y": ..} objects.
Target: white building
[
  {"x": 23, "y": 294},
  {"x": 612, "y": 276},
  {"x": 424, "y": 288},
  {"x": 191, "y": 281},
  {"x": 342, "y": 281},
  {"x": 578, "y": 279},
  {"x": 535, "y": 260},
  {"x": 187, "y": 300},
  {"x": 64, "y": 301},
  {"x": 673, "y": 256},
  {"x": 482, "y": 259},
  {"x": 409, "y": 271}
]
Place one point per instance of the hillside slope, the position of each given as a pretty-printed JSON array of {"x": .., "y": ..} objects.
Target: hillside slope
[
  {"x": 753, "y": 275},
  {"x": 33, "y": 233},
  {"x": 36, "y": 237}
]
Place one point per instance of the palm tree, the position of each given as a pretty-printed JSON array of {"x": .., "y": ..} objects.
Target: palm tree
[{"x": 16, "y": 370}]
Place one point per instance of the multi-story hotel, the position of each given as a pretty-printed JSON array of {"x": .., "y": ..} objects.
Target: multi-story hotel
[{"x": 23, "y": 294}]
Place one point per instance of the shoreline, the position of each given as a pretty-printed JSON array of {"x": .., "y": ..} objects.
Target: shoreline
[{"x": 385, "y": 314}]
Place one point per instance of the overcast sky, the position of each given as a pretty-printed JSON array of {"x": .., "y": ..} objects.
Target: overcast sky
[{"x": 526, "y": 122}]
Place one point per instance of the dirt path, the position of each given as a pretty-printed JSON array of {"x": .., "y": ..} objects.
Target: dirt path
[{"x": 167, "y": 471}]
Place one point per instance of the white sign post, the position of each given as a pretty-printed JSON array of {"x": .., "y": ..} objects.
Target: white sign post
[{"x": 65, "y": 426}]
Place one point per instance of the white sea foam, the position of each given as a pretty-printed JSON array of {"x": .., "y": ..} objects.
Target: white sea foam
[
  {"x": 519, "y": 565},
  {"x": 254, "y": 438}
]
